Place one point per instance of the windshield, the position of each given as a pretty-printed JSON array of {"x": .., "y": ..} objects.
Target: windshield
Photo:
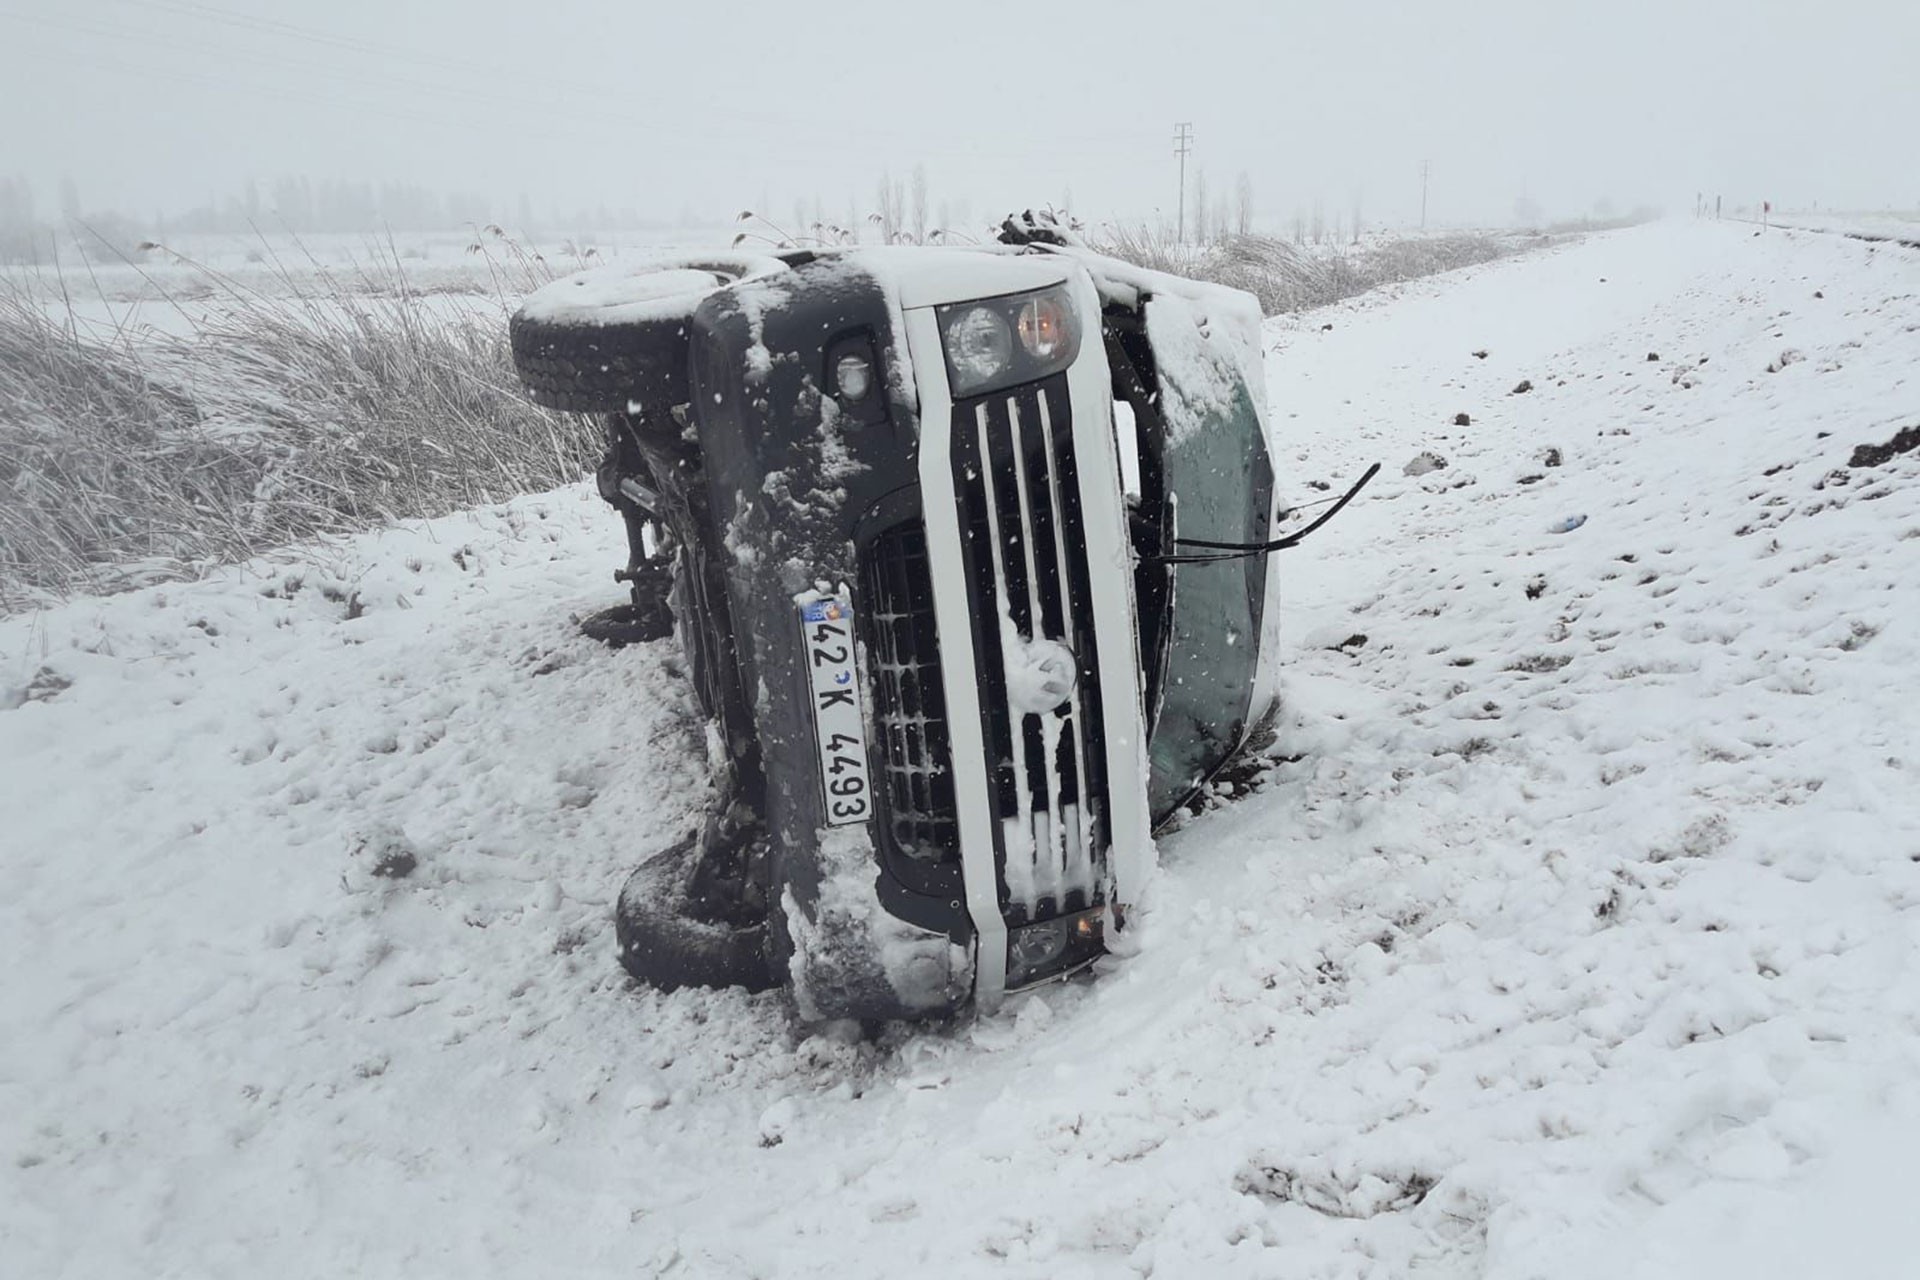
[{"x": 1218, "y": 486}]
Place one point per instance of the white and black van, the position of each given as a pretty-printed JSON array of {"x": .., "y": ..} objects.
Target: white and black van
[{"x": 967, "y": 549}]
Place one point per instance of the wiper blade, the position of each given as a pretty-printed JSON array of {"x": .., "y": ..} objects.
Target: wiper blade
[{"x": 1240, "y": 550}]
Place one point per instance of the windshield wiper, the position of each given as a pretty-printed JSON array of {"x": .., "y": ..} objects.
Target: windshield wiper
[{"x": 1241, "y": 550}]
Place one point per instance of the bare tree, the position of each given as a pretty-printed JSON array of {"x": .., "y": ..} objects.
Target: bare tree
[
  {"x": 1319, "y": 221},
  {"x": 1200, "y": 206},
  {"x": 891, "y": 214},
  {"x": 1356, "y": 215},
  {"x": 1299, "y": 226},
  {"x": 1243, "y": 203},
  {"x": 919, "y": 204},
  {"x": 21, "y": 238}
]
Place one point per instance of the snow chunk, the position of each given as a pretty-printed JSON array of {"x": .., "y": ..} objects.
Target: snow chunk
[
  {"x": 849, "y": 938},
  {"x": 1202, "y": 364}
]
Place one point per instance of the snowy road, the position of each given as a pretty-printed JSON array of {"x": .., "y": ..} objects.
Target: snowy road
[{"x": 1579, "y": 939}]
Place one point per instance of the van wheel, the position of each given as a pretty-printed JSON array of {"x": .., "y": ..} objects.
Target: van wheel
[
  {"x": 667, "y": 944},
  {"x": 612, "y": 338},
  {"x": 626, "y": 624}
]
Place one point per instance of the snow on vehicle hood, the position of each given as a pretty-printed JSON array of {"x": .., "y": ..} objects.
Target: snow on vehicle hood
[
  {"x": 926, "y": 276},
  {"x": 1204, "y": 336}
]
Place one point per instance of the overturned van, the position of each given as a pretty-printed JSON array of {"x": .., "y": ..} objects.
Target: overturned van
[{"x": 966, "y": 552}]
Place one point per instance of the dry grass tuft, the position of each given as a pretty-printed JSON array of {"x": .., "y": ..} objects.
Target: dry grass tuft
[
  {"x": 1286, "y": 277},
  {"x": 126, "y": 459}
]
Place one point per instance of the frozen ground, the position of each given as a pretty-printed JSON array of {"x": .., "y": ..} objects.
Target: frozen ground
[{"x": 1579, "y": 939}]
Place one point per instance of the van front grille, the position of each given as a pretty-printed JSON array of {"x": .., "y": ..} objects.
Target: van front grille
[{"x": 1018, "y": 484}]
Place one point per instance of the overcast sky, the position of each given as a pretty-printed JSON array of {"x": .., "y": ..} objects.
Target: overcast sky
[{"x": 703, "y": 108}]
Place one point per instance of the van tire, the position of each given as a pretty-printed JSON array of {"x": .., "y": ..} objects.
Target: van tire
[
  {"x": 666, "y": 946},
  {"x": 596, "y": 355}
]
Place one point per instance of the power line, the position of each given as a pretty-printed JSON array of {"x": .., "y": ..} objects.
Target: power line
[
  {"x": 352, "y": 44},
  {"x": 601, "y": 108},
  {"x": 229, "y": 56},
  {"x": 282, "y": 92},
  {"x": 1183, "y": 143}
]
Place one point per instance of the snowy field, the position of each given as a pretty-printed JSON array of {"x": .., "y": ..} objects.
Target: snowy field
[
  {"x": 1900, "y": 226},
  {"x": 1575, "y": 938},
  {"x": 172, "y": 288}
]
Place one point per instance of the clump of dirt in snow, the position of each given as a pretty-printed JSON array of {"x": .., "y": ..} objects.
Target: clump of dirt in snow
[
  {"x": 1905, "y": 440},
  {"x": 385, "y": 853},
  {"x": 46, "y": 684},
  {"x": 1348, "y": 1193}
]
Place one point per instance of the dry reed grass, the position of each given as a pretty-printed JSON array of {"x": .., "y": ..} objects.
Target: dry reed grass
[
  {"x": 127, "y": 459},
  {"x": 1286, "y": 277}
]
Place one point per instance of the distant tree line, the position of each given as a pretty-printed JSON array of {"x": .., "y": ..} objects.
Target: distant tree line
[
  {"x": 32, "y": 233},
  {"x": 23, "y": 237},
  {"x": 300, "y": 204},
  {"x": 1224, "y": 215}
]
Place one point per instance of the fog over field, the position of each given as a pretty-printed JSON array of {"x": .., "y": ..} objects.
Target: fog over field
[{"x": 684, "y": 113}]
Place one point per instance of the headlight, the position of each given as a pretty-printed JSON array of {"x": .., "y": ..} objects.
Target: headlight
[
  {"x": 980, "y": 339},
  {"x": 1051, "y": 948},
  {"x": 1032, "y": 950},
  {"x": 1046, "y": 326},
  {"x": 979, "y": 348}
]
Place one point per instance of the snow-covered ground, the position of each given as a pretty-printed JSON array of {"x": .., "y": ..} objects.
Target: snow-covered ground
[
  {"x": 1890, "y": 225},
  {"x": 1578, "y": 939}
]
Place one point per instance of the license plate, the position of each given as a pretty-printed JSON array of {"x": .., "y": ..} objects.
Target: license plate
[{"x": 840, "y": 731}]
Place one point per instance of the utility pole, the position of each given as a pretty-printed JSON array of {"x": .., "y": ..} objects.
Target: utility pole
[
  {"x": 1183, "y": 143},
  {"x": 1426, "y": 167}
]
